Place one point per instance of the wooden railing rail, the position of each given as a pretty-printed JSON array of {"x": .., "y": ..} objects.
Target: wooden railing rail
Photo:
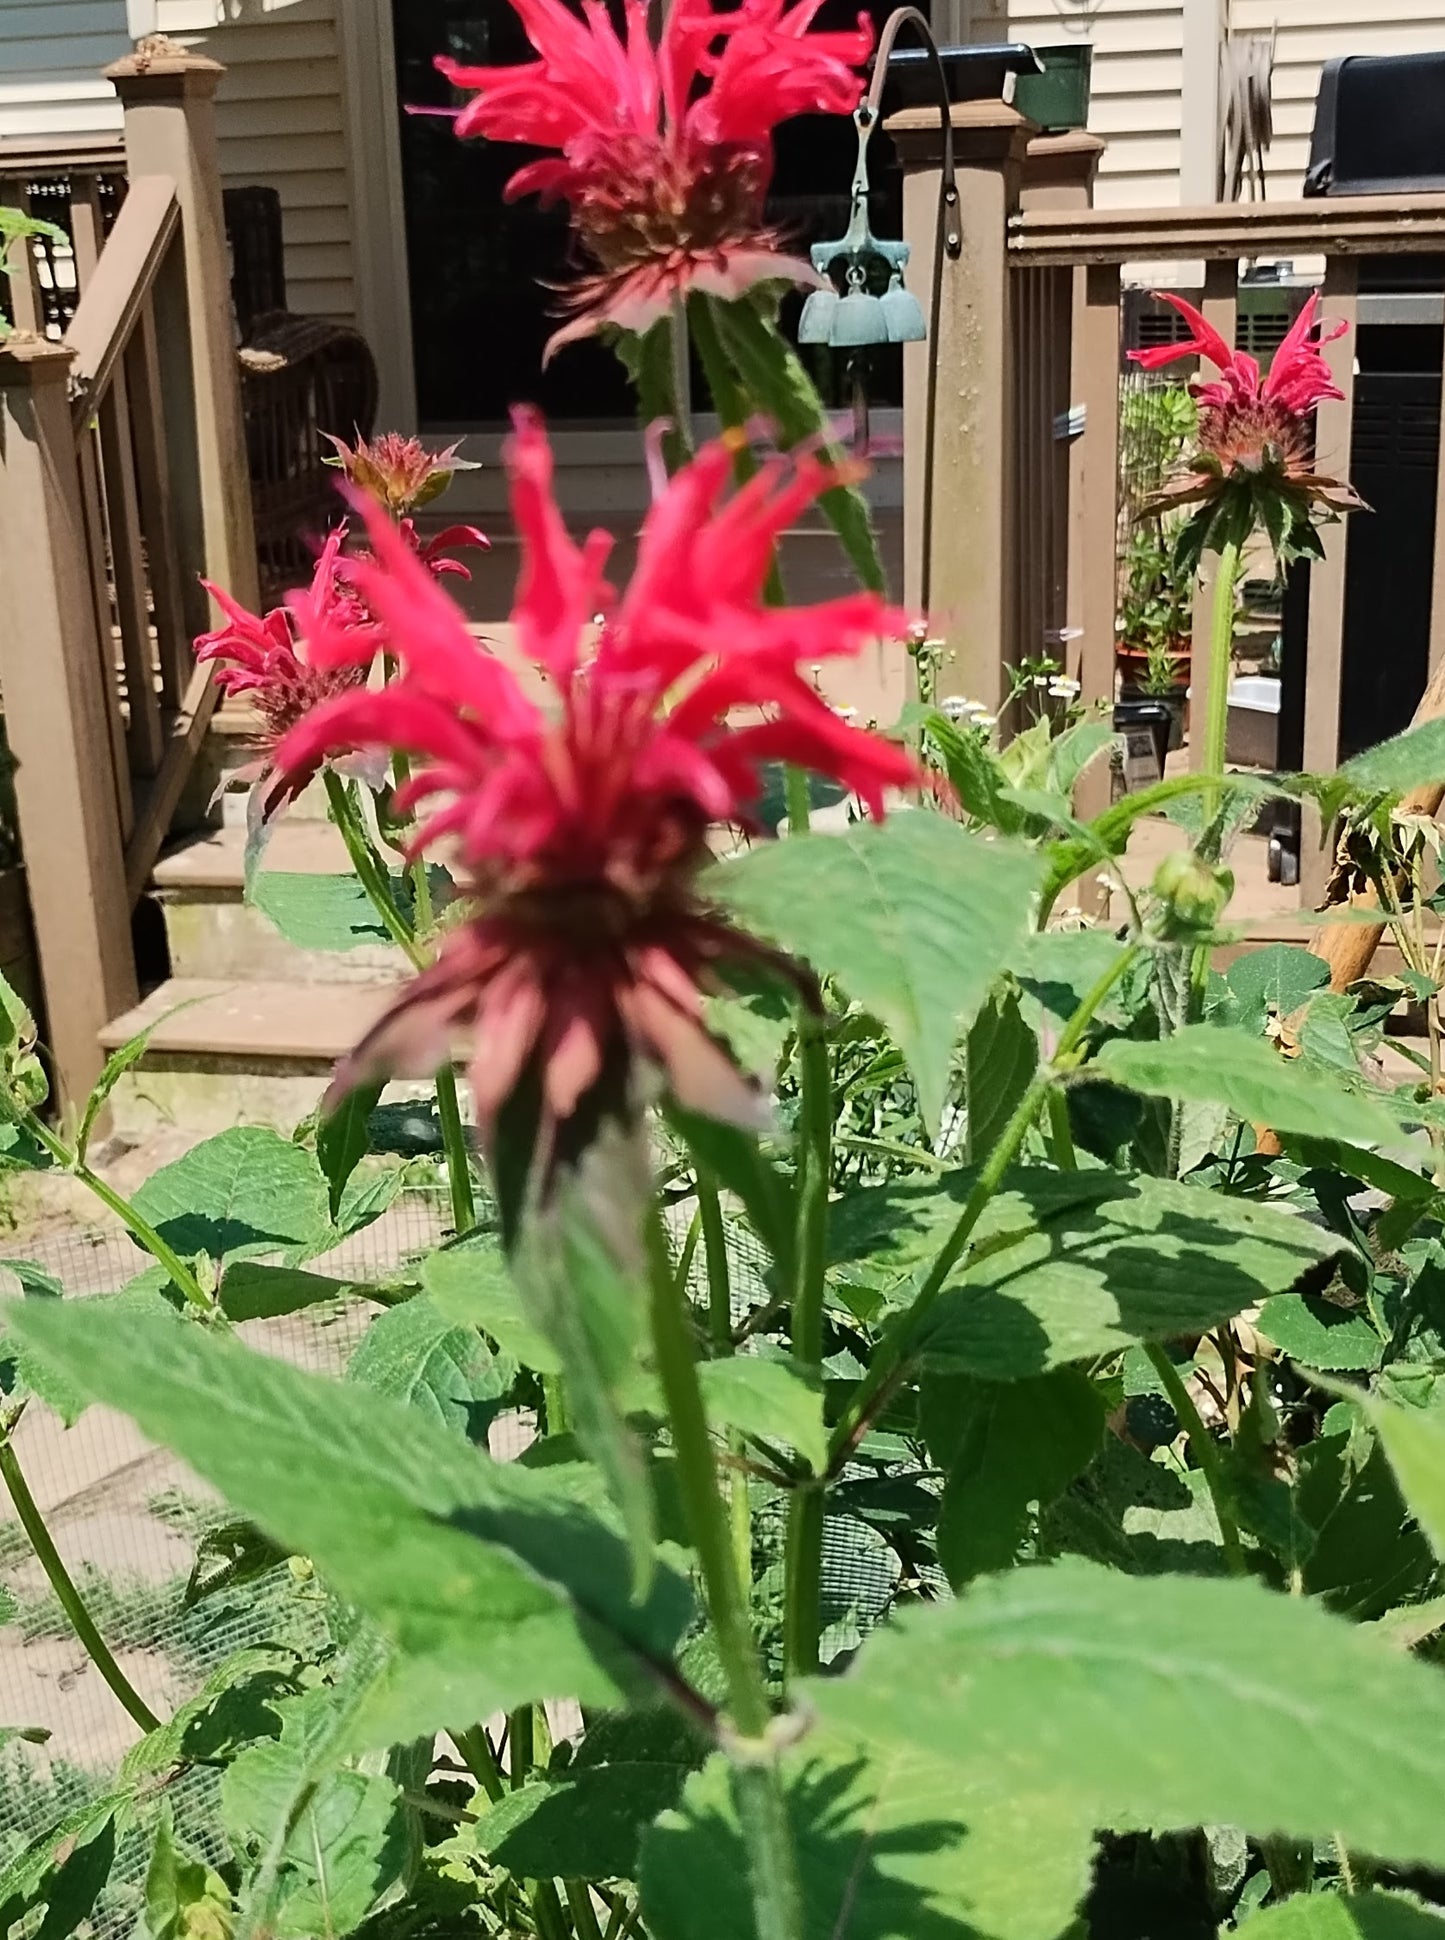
[
  {"x": 1030, "y": 355},
  {"x": 123, "y": 481}
]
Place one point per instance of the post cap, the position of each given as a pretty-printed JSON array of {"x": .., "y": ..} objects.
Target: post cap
[
  {"x": 28, "y": 358},
  {"x": 161, "y": 66},
  {"x": 984, "y": 132}
]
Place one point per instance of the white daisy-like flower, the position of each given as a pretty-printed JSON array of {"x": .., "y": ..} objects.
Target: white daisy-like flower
[{"x": 1063, "y": 687}]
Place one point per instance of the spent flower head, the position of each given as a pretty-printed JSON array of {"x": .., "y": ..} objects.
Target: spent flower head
[
  {"x": 397, "y": 471},
  {"x": 1252, "y": 465},
  {"x": 664, "y": 148},
  {"x": 577, "y": 792}
]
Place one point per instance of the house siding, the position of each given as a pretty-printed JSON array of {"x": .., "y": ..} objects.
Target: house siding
[{"x": 51, "y": 56}]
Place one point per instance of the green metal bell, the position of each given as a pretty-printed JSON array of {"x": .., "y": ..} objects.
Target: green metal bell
[
  {"x": 860, "y": 318},
  {"x": 902, "y": 313},
  {"x": 815, "y": 325},
  {"x": 856, "y": 319}
]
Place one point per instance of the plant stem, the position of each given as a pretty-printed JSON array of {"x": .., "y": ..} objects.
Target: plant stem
[
  {"x": 757, "y": 1786},
  {"x": 800, "y": 812},
  {"x": 480, "y": 1760},
  {"x": 896, "y": 1341},
  {"x": 140, "y": 1230},
  {"x": 1221, "y": 642},
  {"x": 66, "y": 1594},
  {"x": 887, "y": 1148},
  {"x": 715, "y": 1253},
  {"x": 1061, "y": 1133},
  {"x": 521, "y": 1738},
  {"x": 547, "y": 1910},
  {"x": 584, "y": 1918},
  {"x": 1206, "y": 1454},
  {"x": 802, "y": 1615},
  {"x": 404, "y": 934}
]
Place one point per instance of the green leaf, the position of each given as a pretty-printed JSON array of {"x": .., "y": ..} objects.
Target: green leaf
[
  {"x": 328, "y": 1842},
  {"x": 1085, "y": 1688},
  {"x": 342, "y": 1141},
  {"x": 494, "y": 1584},
  {"x": 1367, "y": 1553},
  {"x": 780, "y": 389},
  {"x": 1056, "y": 969},
  {"x": 1317, "y": 1333},
  {"x": 1205, "y": 1063},
  {"x": 1001, "y": 1057},
  {"x": 116, "y": 1066},
  {"x": 247, "y": 1190},
  {"x": 1414, "y": 1440},
  {"x": 915, "y": 917},
  {"x": 889, "y": 1847},
  {"x": 1277, "y": 979},
  {"x": 1414, "y": 759},
  {"x": 250, "y": 1290},
  {"x": 64, "y": 1869},
  {"x": 589, "y": 1822},
  {"x": 770, "y": 1399},
  {"x": 591, "y": 1303},
  {"x": 416, "y": 1355},
  {"x": 1022, "y": 1443},
  {"x": 471, "y": 1285},
  {"x": 24, "y": 1372},
  {"x": 1148, "y": 1259},
  {"x": 184, "y": 1900},
  {"x": 1347, "y": 1916},
  {"x": 318, "y": 912}
]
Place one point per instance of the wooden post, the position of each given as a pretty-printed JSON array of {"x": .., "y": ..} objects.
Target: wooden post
[
  {"x": 168, "y": 97},
  {"x": 1325, "y": 666},
  {"x": 55, "y": 718},
  {"x": 973, "y": 589}
]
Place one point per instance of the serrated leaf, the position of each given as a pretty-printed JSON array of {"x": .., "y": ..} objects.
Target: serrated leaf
[
  {"x": 1056, "y": 969},
  {"x": 1317, "y": 1333},
  {"x": 1278, "y": 978},
  {"x": 1367, "y": 1552},
  {"x": 1347, "y": 1916},
  {"x": 1148, "y": 1259},
  {"x": 247, "y": 1190},
  {"x": 915, "y": 917},
  {"x": 889, "y": 1847},
  {"x": 24, "y": 1372},
  {"x": 1001, "y": 1055},
  {"x": 590, "y": 1821},
  {"x": 472, "y": 1286},
  {"x": 342, "y": 1141},
  {"x": 318, "y": 912},
  {"x": 64, "y": 1869},
  {"x": 184, "y": 1899},
  {"x": 416, "y": 1355},
  {"x": 770, "y": 1399},
  {"x": 1080, "y": 1686},
  {"x": 493, "y": 1582},
  {"x": 327, "y": 1842},
  {"x": 1021, "y": 1443},
  {"x": 1205, "y": 1063}
]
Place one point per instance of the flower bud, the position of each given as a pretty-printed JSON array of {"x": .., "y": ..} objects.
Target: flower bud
[{"x": 1192, "y": 893}]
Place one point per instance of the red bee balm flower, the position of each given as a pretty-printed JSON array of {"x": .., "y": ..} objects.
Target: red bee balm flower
[
  {"x": 1252, "y": 465},
  {"x": 666, "y": 182},
  {"x": 258, "y": 657},
  {"x": 580, "y": 796}
]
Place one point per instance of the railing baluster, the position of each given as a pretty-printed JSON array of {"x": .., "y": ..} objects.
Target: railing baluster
[
  {"x": 173, "y": 637},
  {"x": 144, "y": 738},
  {"x": 85, "y": 225},
  {"x": 1324, "y": 666},
  {"x": 93, "y": 512},
  {"x": 25, "y": 302}
]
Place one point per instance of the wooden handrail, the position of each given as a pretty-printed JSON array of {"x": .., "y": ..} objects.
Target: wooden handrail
[
  {"x": 1356, "y": 225},
  {"x": 111, "y": 304}
]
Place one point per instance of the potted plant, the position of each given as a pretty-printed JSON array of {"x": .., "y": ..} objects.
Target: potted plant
[{"x": 1153, "y": 636}]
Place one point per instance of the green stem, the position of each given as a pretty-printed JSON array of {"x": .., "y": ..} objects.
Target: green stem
[
  {"x": 521, "y": 1743},
  {"x": 480, "y": 1760},
  {"x": 1061, "y": 1133},
  {"x": 887, "y": 1148},
  {"x": 802, "y": 1615},
  {"x": 894, "y": 1346},
  {"x": 140, "y": 1230},
  {"x": 66, "y": 1594},
  {"x": 584, "y": 1917},
  {"x": 547, "y": 1910},
  {"x": 719, "y": 1274},
  {"x": 374, "y": 881},
  {"x": 1205, "y": 1452},
  {"x": 1221, "y": 641},
  {"x": 800, "y": 813}
]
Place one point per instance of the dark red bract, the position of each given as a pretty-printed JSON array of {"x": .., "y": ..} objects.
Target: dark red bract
[{"x": 578, "y": 784}]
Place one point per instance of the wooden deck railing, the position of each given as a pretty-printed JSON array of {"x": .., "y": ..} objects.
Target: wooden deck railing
[
  {"x": 122, "y": 481},
  {"x": 1025, "y": 505}
]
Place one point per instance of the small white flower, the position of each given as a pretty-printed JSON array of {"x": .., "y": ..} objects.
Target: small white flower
[
  {"x": 1063, "y": 688},
  {"x": 846, "y": 713},
  {"x": 985, "y": 720}
]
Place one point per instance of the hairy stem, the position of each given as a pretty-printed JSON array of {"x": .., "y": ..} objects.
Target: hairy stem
[
  {"x": 480, "y": 1760},
  {"x": 898, "y": 1339},
  {"x": 802, "y": 1614},
  {"x": 1205, "y": 1452},
  {"x": 1221, "y": 643},
  {"x": 66, "y": 1594}
]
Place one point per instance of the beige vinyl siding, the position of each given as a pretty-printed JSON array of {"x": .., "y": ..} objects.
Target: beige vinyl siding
[
  {"x": 51, "y": 56},
  {"x": 1311, "y": 32},
  {"x": 281, "y": 123},
  {"x": 1138, "y": 70}
]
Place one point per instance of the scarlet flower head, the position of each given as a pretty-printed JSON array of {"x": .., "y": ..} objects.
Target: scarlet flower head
[
  {"x": 665, "y": 178},
  {"x": 397, "y": 470},
  {"x": 578, "y": 794},
  {"x": 1252, "y": 464},
  {"x": 264, "y": 657}
]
